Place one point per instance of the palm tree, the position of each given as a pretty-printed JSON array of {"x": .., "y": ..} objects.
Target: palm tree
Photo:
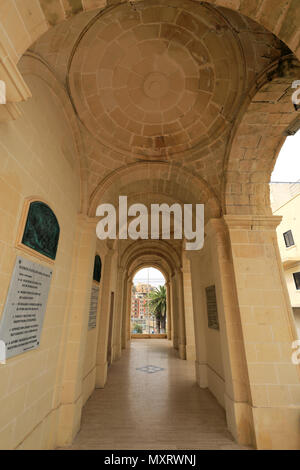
[{"x": 158, "y": 304}]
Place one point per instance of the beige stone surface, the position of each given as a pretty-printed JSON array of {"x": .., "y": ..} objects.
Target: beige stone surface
[
  {"x": 165, "y": 102},
  {"x": 115, "y": 418}
]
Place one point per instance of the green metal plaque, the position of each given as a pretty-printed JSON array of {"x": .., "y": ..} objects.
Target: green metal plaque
[
  {"x": 97, "y": 269},
  {"x": 41, "y": 230}
]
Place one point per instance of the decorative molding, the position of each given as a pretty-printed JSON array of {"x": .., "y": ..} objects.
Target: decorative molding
[
  {"x": 89, "y": 221},
  {"x": 19, "y": 245},
  {"x": 9, "y": 112},
  {"x": 16, "y": 88},
  {"x": 252, "y": 222}
]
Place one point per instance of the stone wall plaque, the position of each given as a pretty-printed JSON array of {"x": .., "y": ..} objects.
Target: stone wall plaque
[
  {"x": 212, "y": 308},
  {"x": 93, "y": 306},
  {"x": 23, "y": 315}
]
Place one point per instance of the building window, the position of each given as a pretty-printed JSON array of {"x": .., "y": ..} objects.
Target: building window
[
  {"x": 41, "y": 232},
  {"x": 297, "y": 280},
  {"x": 289, "y": 239}
]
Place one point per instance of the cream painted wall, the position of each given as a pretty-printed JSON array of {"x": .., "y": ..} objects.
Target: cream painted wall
[
  {"x": 290, "y": 213},
  {"x": 293, "y": 292},
  {"x": 37, "y": 158},
  {"x": 290, "y": 221}
]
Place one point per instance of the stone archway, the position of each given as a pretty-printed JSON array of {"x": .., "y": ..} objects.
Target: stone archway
[
  {"x": 166, "y": 258},
  {"x": 159, "y": 114},
  {"x": 142, "y": 178},
  {"x": 154, "y": 264},
  {"x": 268, "y": 118}
]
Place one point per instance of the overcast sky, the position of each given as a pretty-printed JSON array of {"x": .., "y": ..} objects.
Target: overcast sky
[
  {"x": 155, "y": 277},
  {"x": 287, "y": 168}
]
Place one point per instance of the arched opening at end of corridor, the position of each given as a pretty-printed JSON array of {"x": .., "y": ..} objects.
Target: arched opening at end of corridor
[{"x": 149, "y": 307}]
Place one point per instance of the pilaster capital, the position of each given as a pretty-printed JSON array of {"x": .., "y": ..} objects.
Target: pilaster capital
[
  {"x": 16, "y": 89},
  {"x": 9, "y": 112},
  {"x": 178, "y": 271},
  {"x": 252, "y": 222},
  {"x": 217, "y": 230},
  {"x": 107, "y": 249},
  {"x": 215, "y": 226},
  {"x": 109, "y": 253},
  {"x": 89, "y": 222},
  {"x": 121, "y": 271},
  {"x": 193, "y": 255}
]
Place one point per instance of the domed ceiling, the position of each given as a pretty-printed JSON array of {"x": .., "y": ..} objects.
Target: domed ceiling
[
  {"x": 158, "y": 80},
  {"x": 153, "y": 80}
]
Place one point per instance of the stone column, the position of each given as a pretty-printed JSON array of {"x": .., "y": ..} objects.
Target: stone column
[
  {"x": 76, "y": 331},
  {"x": 124, "y": 315},
  {"x": 268, "y": 331},
  {"x": 130, "y": 285},
  {"x": 181, "y": 315},
  {"x": 117, "y": 324},
  {"x": 126, "y": 311},
  {"x": 199, "y": 313},
  {"x": 169, "y": 315},
  {"x": 188, "y": 309},
  {"x": 103, "y": 327},
  {"x": 174, "y": 312},
  {"x": 238, "y": 412}
]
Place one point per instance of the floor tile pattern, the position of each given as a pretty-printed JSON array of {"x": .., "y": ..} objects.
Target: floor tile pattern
[{"x": 165, "y": 410}]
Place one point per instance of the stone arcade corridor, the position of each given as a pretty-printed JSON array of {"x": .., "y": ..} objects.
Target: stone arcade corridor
[
  {"x": 164, "y": 409},
  {"x": 165, "y": 102}
]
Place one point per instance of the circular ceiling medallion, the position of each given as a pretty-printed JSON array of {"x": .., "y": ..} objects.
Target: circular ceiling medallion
[
  {"x": 156, "y": 85},
  {"x": 156, "y": 80}
]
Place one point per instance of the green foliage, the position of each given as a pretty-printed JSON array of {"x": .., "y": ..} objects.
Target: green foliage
[
  {"x": 158, "y": 301},
  {"x": 137, "y": 329}
]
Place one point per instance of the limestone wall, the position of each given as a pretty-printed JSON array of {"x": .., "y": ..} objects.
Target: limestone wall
[
  {"x": 209, "y": 365},
  {"x": 89, "y": 370},
  {"x": 37, "y": 158}
]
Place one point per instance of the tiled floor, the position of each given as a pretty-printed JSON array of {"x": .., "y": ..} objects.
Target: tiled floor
[{"x": 151, "y": 401}]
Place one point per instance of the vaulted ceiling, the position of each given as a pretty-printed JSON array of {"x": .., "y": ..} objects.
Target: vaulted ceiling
[{"x": 159, "y": 81}]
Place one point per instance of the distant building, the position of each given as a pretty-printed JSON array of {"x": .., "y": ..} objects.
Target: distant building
[
  {"x": 285, "y": 201},
  {"x": 135, "y": 307},
  {"x": 144, "y": 288},
  {"x": 140, "y": 311}
]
